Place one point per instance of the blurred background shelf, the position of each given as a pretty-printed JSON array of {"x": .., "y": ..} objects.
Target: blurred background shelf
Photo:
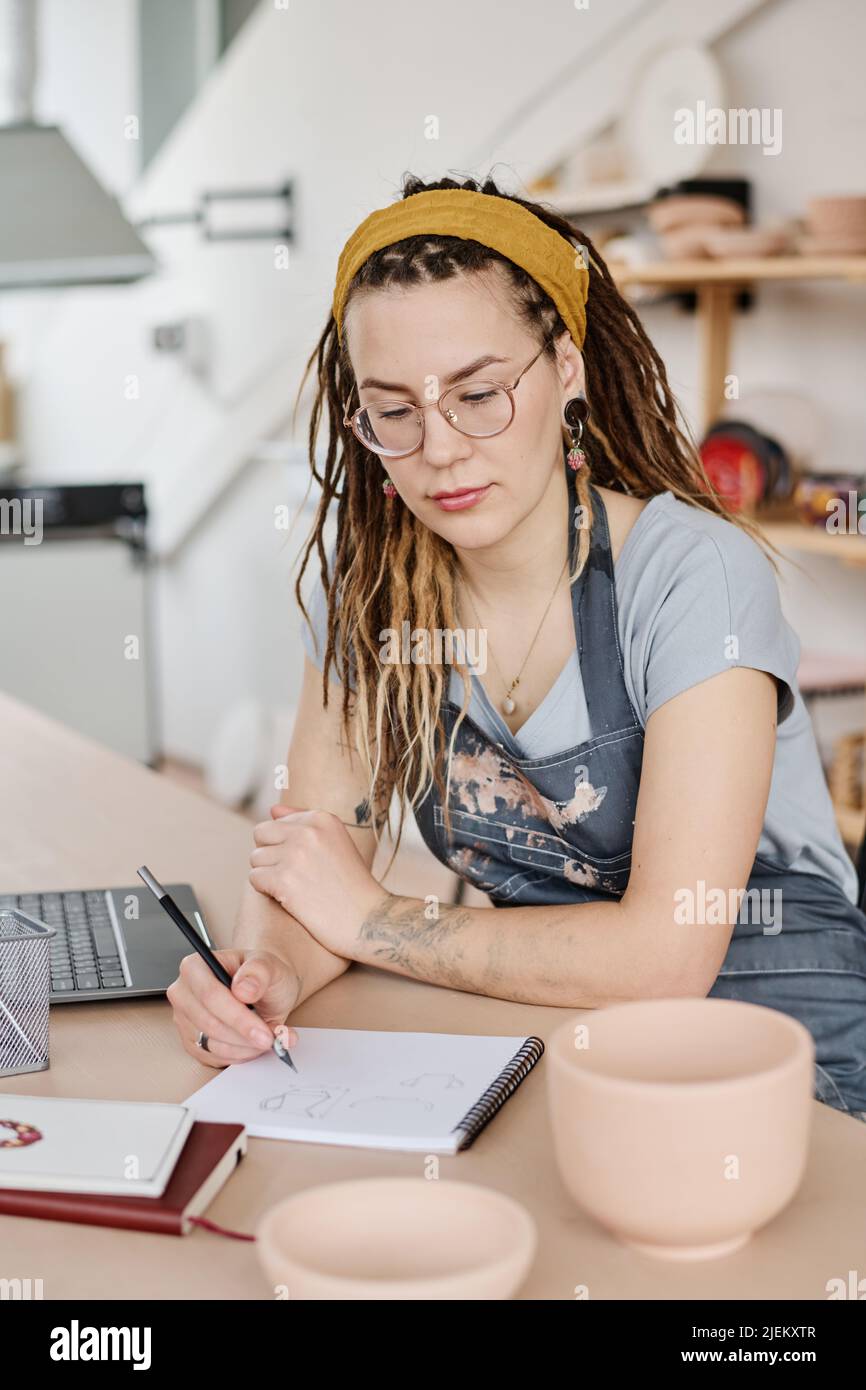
[
  {"x": 695, "y": 273},
  {"x": 717, "y": 283},
  {"x": 851, "y": 823},
  {"x": 826, "y": 677},
  {"x": 795, "y": 535}
]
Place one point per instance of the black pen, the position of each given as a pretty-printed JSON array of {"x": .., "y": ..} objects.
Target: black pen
[{"x": 165, "y": 900}]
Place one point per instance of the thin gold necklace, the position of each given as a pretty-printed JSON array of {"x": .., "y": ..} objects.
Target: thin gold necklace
[{"x": 508, "y": 704}]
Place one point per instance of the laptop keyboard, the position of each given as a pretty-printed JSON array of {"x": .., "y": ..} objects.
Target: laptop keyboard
[{"x": 84, "y": 951}]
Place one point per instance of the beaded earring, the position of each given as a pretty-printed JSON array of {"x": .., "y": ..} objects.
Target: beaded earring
[
  {"x": 388, "y": 487},
  {"x": 575, "y": 414}
]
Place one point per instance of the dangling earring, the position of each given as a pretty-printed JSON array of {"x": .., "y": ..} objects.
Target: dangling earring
[
  {"x": 576, "y": 457},
  {"x": 575, "y": 413},
  {"x": 388, "y": 487}
]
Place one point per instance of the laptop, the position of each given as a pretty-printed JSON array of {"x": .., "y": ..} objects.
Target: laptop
[{"x": 110, "y": 943}]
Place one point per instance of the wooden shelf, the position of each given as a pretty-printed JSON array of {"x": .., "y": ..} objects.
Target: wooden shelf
[
  {"x": 794, "y": 535},
  {"x": 717, "y": 284},
  {"x": 693, "y": 274},
  {"x": 850, "y": 550}
]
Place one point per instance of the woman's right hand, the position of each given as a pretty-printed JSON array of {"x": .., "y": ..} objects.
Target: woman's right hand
[{"x": 234, "y": 1032}]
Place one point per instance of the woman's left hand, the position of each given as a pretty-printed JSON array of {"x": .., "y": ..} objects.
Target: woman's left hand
[{"x": 306, "y": 860}]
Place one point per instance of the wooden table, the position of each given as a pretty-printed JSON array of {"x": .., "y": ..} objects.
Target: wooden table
[{"x": 75, "y": 815}]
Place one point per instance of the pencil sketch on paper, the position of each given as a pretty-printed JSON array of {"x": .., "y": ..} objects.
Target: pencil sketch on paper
[
  {"x": 452, "y": 1082},
  {"x": 313, "y": 1101},
  {"x": 391, "y": 1100}
]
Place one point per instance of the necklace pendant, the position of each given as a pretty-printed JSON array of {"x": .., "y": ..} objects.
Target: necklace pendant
[{"x": 508, "y": 705}]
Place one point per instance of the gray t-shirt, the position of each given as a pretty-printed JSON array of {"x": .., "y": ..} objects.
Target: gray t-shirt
[{"x": 695, "y": 596}]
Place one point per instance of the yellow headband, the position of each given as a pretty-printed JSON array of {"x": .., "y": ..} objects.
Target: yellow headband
[{"x": 555, "y": 264}]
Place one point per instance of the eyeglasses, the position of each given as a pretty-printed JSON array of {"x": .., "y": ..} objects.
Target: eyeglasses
[{"x": 479, "y": 409}]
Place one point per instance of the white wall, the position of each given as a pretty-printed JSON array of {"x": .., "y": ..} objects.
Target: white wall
[
  {"x": 88, "y": 80},
  {"x": 799, "y": 58},
  {"x": 336, "y": 97},
  {"x": 808, "y": 338}
]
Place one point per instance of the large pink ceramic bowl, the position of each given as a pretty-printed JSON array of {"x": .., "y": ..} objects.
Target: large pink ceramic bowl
[
  {"x": 397, "y": 1238},
  {"x": 682, "y": 1125}
]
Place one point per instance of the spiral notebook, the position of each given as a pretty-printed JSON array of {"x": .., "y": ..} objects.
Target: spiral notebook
[{"x": 427, "y": 1092}]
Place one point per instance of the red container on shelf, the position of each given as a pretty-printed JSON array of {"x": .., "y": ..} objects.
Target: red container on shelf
[{"x": 735, "y": 470}]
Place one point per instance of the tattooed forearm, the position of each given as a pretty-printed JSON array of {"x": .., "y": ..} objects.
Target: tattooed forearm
[
  {"x": 567, "y": 955},
  {"x": 458, "y": 947},
  {"x": 399, "y": 934}
]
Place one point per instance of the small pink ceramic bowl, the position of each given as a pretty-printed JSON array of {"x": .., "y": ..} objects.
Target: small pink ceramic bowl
[
  {"x": 682, "y": 1125},
  {"x": 397, "y": 1239}
]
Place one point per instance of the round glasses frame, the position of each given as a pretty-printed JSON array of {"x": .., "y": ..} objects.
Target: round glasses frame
[{"x": 352, "y": 420}]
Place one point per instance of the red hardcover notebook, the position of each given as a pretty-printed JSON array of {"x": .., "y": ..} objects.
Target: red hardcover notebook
[{"x": 207, "y": 1160}]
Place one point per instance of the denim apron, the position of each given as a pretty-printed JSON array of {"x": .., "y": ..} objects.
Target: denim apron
[{"x": 558, "y": 829}]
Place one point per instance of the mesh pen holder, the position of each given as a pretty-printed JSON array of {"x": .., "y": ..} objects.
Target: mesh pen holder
[{"x": 25, "y": 991}]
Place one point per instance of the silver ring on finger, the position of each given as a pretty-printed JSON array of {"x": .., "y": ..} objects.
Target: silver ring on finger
[{"x": 201, "y": 1041}]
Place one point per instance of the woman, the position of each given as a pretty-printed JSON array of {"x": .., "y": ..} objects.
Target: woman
[{"x": 633, "y": 758}]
